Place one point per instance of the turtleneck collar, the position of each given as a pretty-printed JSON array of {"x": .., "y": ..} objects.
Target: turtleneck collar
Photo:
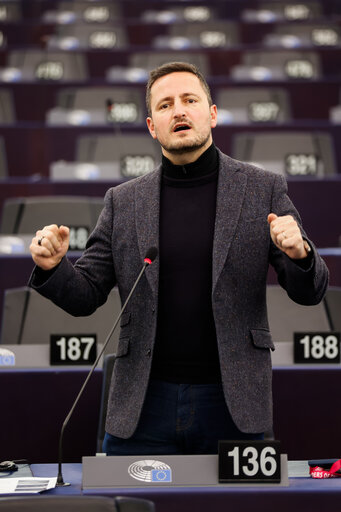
[{"x": 205, "y": 165}]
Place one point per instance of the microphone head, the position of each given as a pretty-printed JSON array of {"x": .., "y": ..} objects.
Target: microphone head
[{"x": 150, "y": 255}]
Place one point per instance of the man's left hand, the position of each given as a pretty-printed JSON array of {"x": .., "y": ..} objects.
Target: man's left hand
[{"x": 286, "y": 235}]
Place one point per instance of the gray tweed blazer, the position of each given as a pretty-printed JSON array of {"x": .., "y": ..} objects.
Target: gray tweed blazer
[{"x": 242, "y": 251}]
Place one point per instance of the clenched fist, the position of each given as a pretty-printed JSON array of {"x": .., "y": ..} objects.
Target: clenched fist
[
  {"x": 286, "y": 235},
  {"x": 49, "y": 246}
]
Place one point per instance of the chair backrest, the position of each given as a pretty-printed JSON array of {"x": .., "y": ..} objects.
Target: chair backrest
[
  {"x": 278, "y": 65},
  {"x": 175, "y": 13},
  {"x": 96, "y": 36},
  {"x": 304, "y": 35},
  {"x": 128, "y": 156},
  {"x": 108, "y": 366},
  {"x": 212, "y": 34},
  {"x": 98, "y": 12},
  {"x": 333, "y": 304},
  {"x": 3, "y": 160},
  {"x": 10, "y": 11},
  {"x": 56, "y": 66},
  {"x": 7, "y": 113},
  {"x": 30, "y": 318},
  {"x": 25, "y": 215},
  {"x": 253, "y": 105},
  {"x": 289, "y": 153},
  {"x": 76, "y": 504},
  {"x": 58, "y": 504},
  {"x": 281, "y": 11},
  {"x": 286, "y": 317},
  {"x": 127, "y": 104},
  {"x": 151, "y": 60}
]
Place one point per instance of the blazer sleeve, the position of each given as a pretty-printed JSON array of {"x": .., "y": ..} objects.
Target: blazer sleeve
[
  {"x": 305, "y": 285},
  {"x": 81, "y": 288}
]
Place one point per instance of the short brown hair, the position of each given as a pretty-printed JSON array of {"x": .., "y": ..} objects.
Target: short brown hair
[{"x": 175, "y": 67}]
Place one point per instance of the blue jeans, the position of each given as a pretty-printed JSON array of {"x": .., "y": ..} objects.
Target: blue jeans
[{"x": 179, "y": 419}]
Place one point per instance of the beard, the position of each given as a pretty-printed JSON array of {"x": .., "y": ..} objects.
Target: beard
[{"x": 182, "y": 147}]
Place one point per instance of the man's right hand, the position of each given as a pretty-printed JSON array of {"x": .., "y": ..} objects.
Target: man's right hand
[{"x": 49, "y": 246}]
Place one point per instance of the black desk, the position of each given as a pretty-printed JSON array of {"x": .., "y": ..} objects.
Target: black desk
[
  {"x": 307, "y": 411},
  {"x": 34, "y": 404},
  {"x": 303, "y": 494}
]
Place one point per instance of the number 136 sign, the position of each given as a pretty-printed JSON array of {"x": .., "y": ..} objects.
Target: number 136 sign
[{"x": 249, "y": 461}]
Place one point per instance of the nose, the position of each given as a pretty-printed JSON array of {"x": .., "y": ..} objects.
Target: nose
[{"x": 178, "y": 109}]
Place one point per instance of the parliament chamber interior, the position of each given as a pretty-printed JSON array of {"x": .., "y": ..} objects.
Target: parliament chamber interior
[{"x": 72, "y": 124}]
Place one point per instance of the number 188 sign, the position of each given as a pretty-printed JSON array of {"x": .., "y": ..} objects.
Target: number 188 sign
[
  {"x": 317, "y": 347},
  {"x": 249, "y": 461}
]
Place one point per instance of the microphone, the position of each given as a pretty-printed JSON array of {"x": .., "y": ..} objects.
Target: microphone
[
  {"x": 109, "y": 105},
  {"x": 148, "y": 260}
]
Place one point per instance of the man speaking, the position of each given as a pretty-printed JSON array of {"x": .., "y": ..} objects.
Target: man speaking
[{"x": 193, "y": 363}]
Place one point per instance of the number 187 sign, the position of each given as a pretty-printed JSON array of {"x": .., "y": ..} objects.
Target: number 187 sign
[{"x": 72, "y": 349}]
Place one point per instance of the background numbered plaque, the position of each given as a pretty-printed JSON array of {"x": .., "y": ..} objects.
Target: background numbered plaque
[
  {"x": 249, "y": 462},
  {"x": 73, "y": 349},
  {"x": 317, "y": 347}
]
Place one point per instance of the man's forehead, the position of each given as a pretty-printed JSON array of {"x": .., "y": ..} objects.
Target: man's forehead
[
  {"x": 177, "y": 83},
  {"x": 176, "y": 77}
]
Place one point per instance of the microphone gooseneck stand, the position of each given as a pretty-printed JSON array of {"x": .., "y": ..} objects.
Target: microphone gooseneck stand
[{"x": 149, "y": 258}]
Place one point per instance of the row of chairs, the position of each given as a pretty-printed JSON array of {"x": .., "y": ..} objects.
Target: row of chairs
[
  {"x": 117, "y": 105},
  {"x": 212, "y": 34},
  {"x": 256, "y": 65},
  {"x": 75, "y": 504},
  {"x": 291, "y": 153},
  {"x": 166, "y": 11},
  {"x": 29, "y": 318}
]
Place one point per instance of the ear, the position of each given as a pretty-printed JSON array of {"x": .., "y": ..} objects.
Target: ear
[
  {"x": 214, "y": 114},
  {"x": 150, "y": 125}
]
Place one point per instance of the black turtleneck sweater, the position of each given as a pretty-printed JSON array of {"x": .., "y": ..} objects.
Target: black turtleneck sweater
[{"x": 186, "y": 346}]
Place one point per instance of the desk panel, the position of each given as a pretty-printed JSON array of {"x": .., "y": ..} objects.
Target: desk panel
[
  {"x": 303, "y": 494},
  {"x": 34, "y": 404},
  {"x": 306, "y": 412}
]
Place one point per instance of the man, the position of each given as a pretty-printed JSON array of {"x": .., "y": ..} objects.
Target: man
[{"x": 193, "y": 362}]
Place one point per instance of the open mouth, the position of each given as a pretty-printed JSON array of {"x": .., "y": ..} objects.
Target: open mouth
[{"x": 181, "y": 127}]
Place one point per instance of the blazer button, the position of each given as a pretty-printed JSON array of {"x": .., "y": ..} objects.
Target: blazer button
[{"x": 149, "y": 352}]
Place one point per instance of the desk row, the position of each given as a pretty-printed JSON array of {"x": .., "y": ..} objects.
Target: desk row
[
  {"x": 307, "y": 150},
  {"x": 123, "y": 65},
  {"x": 96, "y": 103},
  {"x": 28, "y": 203},
  {"x": 41, "y": 399}
]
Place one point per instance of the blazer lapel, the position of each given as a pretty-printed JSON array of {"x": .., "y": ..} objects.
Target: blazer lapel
[
  {"x": 230, "y": 195},
  {"x": 147, "y": 212}
]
